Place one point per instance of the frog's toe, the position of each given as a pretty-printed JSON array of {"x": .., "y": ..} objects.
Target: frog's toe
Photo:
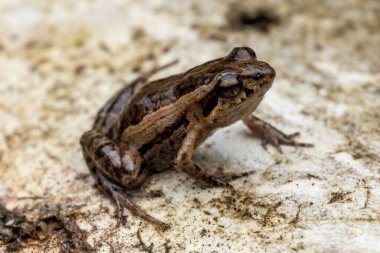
[
  {"x": 276, "y": 138},
  {"x": 236, "y": 175},
  {"x": 121, "y": 219},
  {"x": 146, "y": 194},
  {"x": 293, "y": 135},
  {"x": 289, "y": 140},
  {"x": 156, "y": 194}
]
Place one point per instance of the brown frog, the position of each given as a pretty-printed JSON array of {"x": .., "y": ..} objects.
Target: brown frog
[{"x": 149, "y": 127}]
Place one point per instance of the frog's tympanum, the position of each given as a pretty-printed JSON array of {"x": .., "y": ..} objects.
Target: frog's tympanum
[{"x": 149, "y": 127}]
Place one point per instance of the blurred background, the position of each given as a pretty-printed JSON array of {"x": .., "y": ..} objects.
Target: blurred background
[{"x": 61, "y": 60}]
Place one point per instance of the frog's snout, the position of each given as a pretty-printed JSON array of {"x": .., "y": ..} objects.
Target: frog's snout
[{"x": 268, "y": 70}]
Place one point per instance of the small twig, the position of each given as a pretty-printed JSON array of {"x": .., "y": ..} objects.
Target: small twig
[
  {"x": 145, "y": 248},
  {"x": 296, "y": 219},
  {"x": 30, "y": 197},
  {"x": 269, "y": 213}
]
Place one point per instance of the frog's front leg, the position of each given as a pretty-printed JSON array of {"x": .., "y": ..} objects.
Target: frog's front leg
[
  {"x": 117, "y": 171},
  {"x": 184, "y": 162},
  {"x": 270, "y": 134}
]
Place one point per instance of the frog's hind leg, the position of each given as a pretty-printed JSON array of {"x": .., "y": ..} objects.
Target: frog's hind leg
[
  {"x": 117, "y": 172},
  {"x": 124, "y": 200},
  {"x": 270, "y": 134}
]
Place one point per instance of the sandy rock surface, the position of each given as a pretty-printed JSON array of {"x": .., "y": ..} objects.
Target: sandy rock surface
[{"x": 61, "y": 60}]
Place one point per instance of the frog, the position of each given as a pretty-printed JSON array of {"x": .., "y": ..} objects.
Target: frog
[{"x": 149, "y": 127}]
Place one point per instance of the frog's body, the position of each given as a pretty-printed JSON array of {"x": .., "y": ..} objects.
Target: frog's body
[{"x": 151, "y": 127}]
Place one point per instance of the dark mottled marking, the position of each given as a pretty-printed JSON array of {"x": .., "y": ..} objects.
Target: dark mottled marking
[
  {"x": 103, "y": 149},
  {"x": 209, "y": 105},
  {"x": 191, "y": 84},
  {"x": 108, "y": 114},
  {"x": 248, "y": 92},
  {"x": 164, "y": 135},
  {"x": 104, "y": 113}
]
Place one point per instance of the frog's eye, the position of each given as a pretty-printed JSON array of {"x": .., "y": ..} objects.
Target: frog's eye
[
  {"x": 228, "y": 86},
  {"x": 242, "y": 53}
]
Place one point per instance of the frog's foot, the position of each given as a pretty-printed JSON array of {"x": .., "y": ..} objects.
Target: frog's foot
[
  {"x": 116, "y": 170},
  {"x": 271, "y": 135},
  {"x": 123, "y": 200},
  {"x": 222, "y": 181}
]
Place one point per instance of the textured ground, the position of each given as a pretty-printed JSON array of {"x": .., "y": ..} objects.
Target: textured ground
[{"x": 61, "y": 60}]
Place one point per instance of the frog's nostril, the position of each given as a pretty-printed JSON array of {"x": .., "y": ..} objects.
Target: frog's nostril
[
  {"x": 263, "y": 72},
  {"x": 259, "y": 74}
]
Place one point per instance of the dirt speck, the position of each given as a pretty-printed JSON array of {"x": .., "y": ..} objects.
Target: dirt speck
[
  {"x": 197, "y": 202},
  {"x": 203, "y": 232},
  {"x": 248, "y": 207},
  {"x": 340, "y": 197}
]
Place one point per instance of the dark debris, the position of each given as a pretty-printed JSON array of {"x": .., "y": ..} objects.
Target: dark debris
[{"x": 16, "y": 231}]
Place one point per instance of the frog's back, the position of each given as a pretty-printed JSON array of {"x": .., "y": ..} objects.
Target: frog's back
[
  {"x": 132, "y": 103},
  {"x": 164, "y": 92}
]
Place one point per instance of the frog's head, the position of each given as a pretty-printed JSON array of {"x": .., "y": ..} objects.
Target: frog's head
[{"x": 238, "y": 88}]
